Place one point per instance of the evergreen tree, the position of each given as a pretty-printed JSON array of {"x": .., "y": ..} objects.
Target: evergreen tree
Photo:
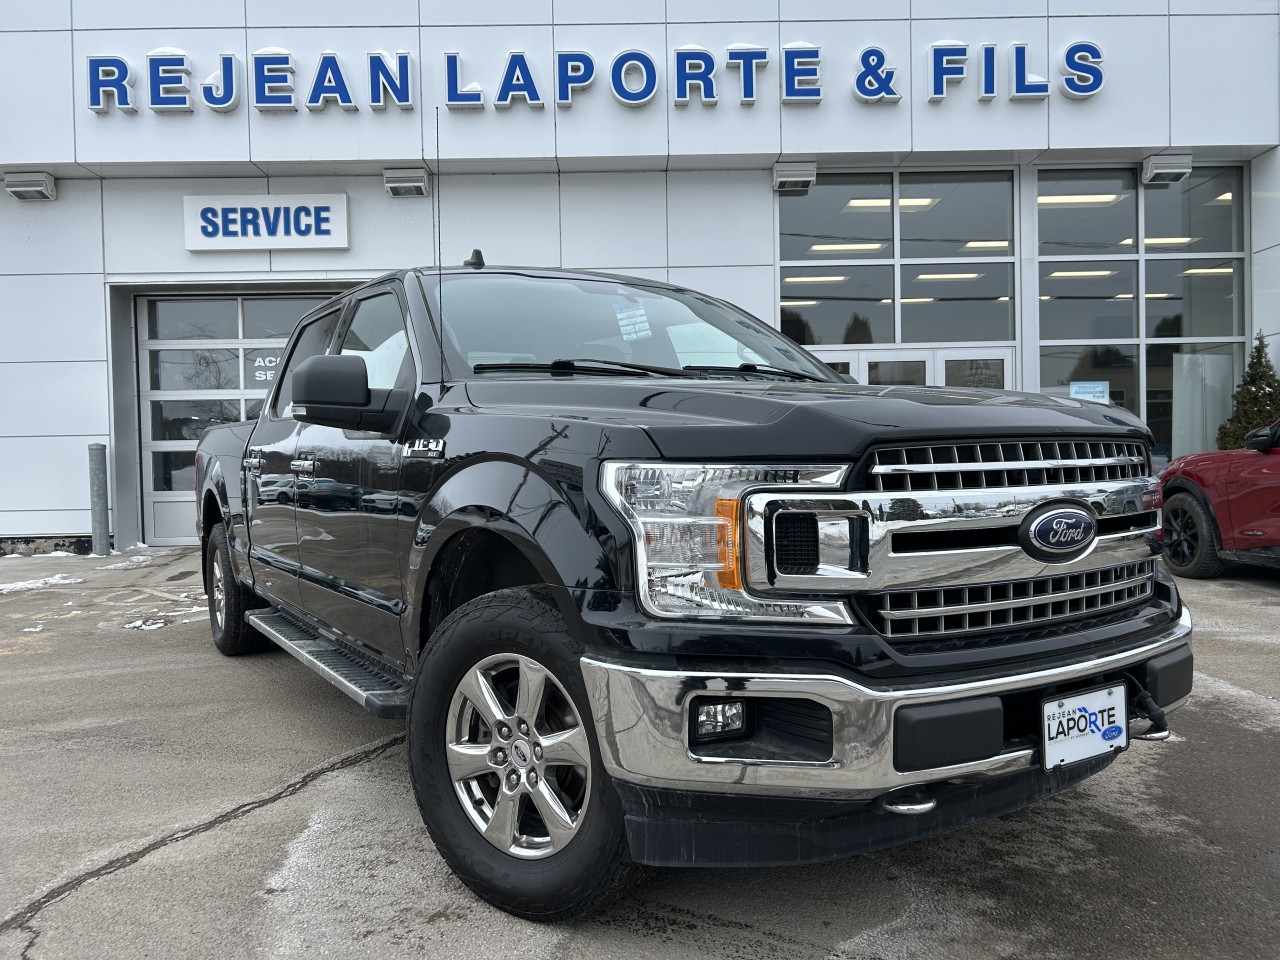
[{"x": 1256, "y": 402}]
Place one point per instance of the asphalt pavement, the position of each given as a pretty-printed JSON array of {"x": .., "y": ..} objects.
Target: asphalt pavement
[{"x": 160, "y": 800}]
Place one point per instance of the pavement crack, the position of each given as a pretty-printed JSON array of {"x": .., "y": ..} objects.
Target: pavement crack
[{"x": 22, "y": 919}]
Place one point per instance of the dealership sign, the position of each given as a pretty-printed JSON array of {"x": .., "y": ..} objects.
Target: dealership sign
[
  {"x": 274, "y": 80},
  {"x": 260, "y": 222}
]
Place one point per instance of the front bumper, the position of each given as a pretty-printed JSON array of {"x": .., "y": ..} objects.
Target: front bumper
[{"x": 642, "y": 725}]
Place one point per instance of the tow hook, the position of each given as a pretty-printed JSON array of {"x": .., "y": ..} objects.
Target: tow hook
[
  {"x": 907, "y": 804},
  {"x": 1159, "y": 729}
]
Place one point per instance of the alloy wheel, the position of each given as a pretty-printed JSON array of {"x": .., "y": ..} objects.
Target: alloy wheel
[
  {"x": 518, "y": 756},
  {"x": 1181, "y": 536},
  {"x": 219, "y": 595}
]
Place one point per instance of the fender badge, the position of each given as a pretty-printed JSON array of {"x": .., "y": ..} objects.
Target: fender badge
[{"x": 425, "y": 449}]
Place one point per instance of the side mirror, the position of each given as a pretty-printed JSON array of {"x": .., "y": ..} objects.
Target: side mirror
[
  {"x": 1259, "y": 439},
  {"x": 334, "y": 392}
]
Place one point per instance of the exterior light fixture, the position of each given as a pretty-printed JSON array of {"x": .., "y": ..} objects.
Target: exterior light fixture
[
  {"x": 410, "y": 182},
  {"x": 792, "y": 177},
  {"x": 1168, "y": 168},
  {"x": 31, "y": 186}
]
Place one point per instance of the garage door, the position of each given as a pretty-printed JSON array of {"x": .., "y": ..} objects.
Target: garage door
[{"x": 201, "y": 361}]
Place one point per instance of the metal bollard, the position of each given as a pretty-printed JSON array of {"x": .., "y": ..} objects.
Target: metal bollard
[{"x": 98, "y": 499}]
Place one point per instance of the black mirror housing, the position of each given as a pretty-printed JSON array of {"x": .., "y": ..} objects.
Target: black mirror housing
[
  {"x": 1259, "y": 439},
  {"x": 333, "y": 391}
]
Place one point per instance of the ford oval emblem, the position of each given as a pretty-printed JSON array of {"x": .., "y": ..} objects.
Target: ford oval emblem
[
  {"x": 1058, "y": 533},
  {"x": 1112, "y": 733}
]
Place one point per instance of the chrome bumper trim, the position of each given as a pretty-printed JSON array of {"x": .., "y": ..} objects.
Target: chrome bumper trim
[{"x": 641, "y": 720}]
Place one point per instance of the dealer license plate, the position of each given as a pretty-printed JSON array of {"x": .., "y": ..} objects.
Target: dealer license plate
[{"x": 1080, "y": 726}]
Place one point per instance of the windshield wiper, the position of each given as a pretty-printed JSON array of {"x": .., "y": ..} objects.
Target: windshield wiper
[
  {"x": 608, "y": 368},
  {"x": 759, "y": 368}
]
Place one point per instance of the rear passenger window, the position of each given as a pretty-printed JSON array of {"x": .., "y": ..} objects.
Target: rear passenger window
[{"x": 312, "y": 342}]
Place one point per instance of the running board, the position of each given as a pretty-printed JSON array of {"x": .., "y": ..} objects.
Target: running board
[{"x": 379, "y": 690}]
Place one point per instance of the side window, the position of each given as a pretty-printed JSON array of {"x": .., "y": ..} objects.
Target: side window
[
  {"x": 314, "y": 339},
  {"x": 377, "y": 333}
]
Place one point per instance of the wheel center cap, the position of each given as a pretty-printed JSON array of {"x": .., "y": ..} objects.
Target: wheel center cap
[{"x": 520, "y": 753}]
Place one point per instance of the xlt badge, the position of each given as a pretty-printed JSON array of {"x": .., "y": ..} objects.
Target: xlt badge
[{"x": 426, "y": 449}]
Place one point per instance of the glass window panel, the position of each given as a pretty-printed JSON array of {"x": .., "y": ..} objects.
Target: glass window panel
[
  {"x": 276, "y": 317},
  {"x": 188, "y": 419},
  {"x": 957, "y": 301},
  {"x": 896, "y": 373},
  {"x": 194, "y": 369},
  {"x": 956, "y": 214},
  {"x": 975, "y": 373},
  {"x": 313, "y": 340},
  {"x": 840, "y": 218},
  {"x": 1090, "y": 300},
  {"x": 1087, "y": 212},
  {"x": 377, "y": 333},
  {"x": 174, "y": 470},
  {"x": 837, "y": 304},
  {"x": 192, "y": 320},
  {"x": 1195, "y": 298},
  {"x": 1116, "y": 365},
  {"x": 1189, "y": 387},
  {"x": 253, "y": 409},
  {"x": 1203, "y": 213},
  {"x": 260, "y": 368}
]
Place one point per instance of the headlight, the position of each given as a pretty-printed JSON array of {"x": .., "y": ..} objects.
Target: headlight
[{"x": 688, "y": 535}]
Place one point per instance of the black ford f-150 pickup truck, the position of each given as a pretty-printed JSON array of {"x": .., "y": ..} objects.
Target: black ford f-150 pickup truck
[{"x": 652, "y": 585}]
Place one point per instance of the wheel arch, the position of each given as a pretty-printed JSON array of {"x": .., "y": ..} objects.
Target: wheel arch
[{"x": 1187, "y": 485}]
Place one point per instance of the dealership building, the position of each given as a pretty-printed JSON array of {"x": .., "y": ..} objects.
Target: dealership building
[{"x": 1073, "y": 197}]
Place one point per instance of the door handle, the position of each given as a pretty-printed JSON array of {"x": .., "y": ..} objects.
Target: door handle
[
  {"x": 253, "y": 465},
  {"x": 302, "y": 466}
]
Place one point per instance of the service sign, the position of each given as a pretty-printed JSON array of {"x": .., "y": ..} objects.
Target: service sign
[{"x": 258, "y": 222}]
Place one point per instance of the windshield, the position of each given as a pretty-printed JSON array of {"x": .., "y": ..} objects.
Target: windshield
[{"x": 503, "y": 318}]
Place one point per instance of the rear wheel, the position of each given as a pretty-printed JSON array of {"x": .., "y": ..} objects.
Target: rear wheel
[
  {"x": 228, "y": 601},
  {"x": 504, "y": 762},
  {"x": 1190, "y": 538}
]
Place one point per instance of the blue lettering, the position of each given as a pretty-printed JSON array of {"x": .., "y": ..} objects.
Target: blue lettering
[
  {"x": 800, "y": 75},
  {"x": 574, "y": 71},
  {"x": 383, "y": 84},
  {"x": 286, "y": 221},
  {"x": 1082, "y": 70},
  {"x": 322, "y": 222},
  {"x": 167, "y": 76},
  {"x": 209, "y": 221},
  {"x": 230, "y": 216},
  {"x": 625, "y": 62},
  {"x": 1026, "y": 86},
  {"x": 222, "y": 90},
  {"x": 948, "y": 63},
  {"x": 456, "y": 96},
  {"x": 874, "y": 82},
  {"x": 748, "y": 59},
  {"x": 329, "y": 85},
  {"x": 271, "y": 220},
  {"x": 988, "y": 72},
  {"x": 301, "y": 221},
  {"x": 517, "y": 81},
  {"x": 249, "y": 221},
  {"x": 273, "y": 80},
  {"x": 109, "y": 82},
  {"x": 695, "y": 67}
]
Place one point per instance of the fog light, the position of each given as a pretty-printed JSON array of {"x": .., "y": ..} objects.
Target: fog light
[{"x": 720, "y": 718}]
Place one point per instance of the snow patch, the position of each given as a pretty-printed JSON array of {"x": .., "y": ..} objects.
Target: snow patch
[
  {"x": 60, "y": 579},
  {"x": 146, "y": 624},
  {"x": 38, "y": 628}
]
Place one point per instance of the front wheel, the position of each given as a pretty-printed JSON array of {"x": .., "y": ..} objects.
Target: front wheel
[
  {"x": 228, "y": 601},
  {"x": 1190, "y": 539},
  {"x": 504, "y": 762}
]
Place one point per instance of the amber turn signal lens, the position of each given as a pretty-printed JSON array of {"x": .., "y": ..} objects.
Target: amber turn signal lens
[{"x": 729, "y": 575}]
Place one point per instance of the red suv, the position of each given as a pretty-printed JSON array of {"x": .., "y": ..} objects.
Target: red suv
[{"x": 1223, "y": 506}]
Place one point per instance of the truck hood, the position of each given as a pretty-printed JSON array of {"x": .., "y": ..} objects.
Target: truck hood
[{"x": 735, "y": 419}]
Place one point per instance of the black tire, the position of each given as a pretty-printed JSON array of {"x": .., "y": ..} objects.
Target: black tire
[
  {"x": 593, "y": 864},
  {"x": 228, "y": 601},
  {"x": 1190, "y": 539}
]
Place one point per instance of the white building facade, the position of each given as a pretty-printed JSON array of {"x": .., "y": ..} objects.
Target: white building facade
[{"x": 946, "y": 192}]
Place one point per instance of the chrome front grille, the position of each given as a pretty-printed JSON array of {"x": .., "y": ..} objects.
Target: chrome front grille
[
  {"x": 980, "y": 466},
  {"x": 994, "y": 607}
]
